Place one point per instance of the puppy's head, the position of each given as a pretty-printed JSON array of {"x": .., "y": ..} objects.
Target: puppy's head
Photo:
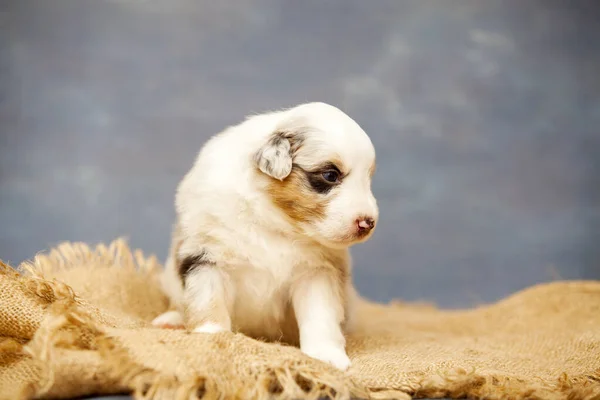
[{"x": 320, "y": 163}]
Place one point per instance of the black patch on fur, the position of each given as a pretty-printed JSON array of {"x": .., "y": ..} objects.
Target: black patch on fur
[
  {"x": 315, "y": 178},
  {"x": 277, "y": 139},
  {"x": 268, "y": 165},
  {"x": 193, "y": 262},
  {"x": 328, "y": 166}
]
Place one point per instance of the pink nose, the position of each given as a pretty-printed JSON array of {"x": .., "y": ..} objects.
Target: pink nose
[{"x": 365, "y": 224}]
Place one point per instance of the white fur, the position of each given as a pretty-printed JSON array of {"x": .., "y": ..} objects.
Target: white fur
[
  {"x": 210, "y": 327},
  {"x": 260, "y": 258},
  {"x": 170, "y": 318},
  {"x": 319, "y": 320},
  {"x": 205, "y": 287}
]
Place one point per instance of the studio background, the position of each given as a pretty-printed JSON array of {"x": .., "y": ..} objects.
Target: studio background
[{"x": 485, "y": 117}]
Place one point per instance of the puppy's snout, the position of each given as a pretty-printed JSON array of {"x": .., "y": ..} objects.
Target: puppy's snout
[{"x": 365, "y": 224}]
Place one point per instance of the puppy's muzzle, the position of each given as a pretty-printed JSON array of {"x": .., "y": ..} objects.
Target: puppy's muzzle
[{"x": 364, "y": 225}]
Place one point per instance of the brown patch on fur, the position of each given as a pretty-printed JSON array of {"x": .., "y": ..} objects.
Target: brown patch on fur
[{"x": 296, "y": 199}]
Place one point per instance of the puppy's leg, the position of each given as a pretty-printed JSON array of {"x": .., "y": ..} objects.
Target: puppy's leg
[
  {"x": 318, "y": 304},
  {"x": 207, "y": 300},
  {"x": 169, "y": 320}
]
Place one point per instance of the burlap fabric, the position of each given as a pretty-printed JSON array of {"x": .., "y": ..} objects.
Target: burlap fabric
[{"x": 75, "y": 322}]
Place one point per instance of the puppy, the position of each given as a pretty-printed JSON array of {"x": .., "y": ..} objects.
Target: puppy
[{"x": 265, "y": 218}]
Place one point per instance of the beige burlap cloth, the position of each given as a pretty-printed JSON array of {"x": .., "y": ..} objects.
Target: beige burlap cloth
[{"x": 75, "y": 322}]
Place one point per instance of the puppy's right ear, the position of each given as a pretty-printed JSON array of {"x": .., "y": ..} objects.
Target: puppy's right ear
[{"x": 274, "y": 158}]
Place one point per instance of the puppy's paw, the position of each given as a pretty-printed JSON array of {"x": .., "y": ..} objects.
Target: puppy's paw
[
  {"x": 328, "y": 353},
  {"x": 210, "y": 327},
  {"x": 169, "y": 320}
]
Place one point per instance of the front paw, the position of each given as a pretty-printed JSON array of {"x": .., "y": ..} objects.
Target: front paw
[
  {"x": 210, "y": 327},
  {"x": 328, "y": 353},
  {"x": 169, "y": 320}
]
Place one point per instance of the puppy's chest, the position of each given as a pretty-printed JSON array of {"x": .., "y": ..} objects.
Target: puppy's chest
[
  {"x": 262, "y": 255},
  {"x": 259, "y": 276},
  {"x": 262, "y": 272}
]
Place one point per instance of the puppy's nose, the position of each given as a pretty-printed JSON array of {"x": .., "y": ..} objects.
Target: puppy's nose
[{"x": 365, "y": 224}]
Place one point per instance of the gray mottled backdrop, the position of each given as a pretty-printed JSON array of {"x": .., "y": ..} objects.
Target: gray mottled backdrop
[{"x": 485, "y": 116}]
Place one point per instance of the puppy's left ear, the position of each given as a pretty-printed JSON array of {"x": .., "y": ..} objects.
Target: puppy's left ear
[{"x": 274, "y": 158}]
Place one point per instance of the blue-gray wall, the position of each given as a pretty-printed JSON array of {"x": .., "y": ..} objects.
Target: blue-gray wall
[{"x": 485, "y": 116}]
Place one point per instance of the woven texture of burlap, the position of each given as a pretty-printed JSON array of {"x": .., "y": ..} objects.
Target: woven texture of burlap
[{"x": 76, "y": 322}]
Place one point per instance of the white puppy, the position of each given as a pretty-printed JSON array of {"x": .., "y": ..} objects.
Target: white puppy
[{"x": 265, "y": 218}]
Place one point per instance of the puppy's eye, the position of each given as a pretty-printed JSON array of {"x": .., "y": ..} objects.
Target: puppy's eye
[{"x": 331, "y": 176}]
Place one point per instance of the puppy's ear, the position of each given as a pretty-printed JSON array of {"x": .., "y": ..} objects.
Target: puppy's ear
[{"x": 274, "y": 158}]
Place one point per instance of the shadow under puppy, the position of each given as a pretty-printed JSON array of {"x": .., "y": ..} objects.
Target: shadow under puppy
[{"x": 265, "y": 218}]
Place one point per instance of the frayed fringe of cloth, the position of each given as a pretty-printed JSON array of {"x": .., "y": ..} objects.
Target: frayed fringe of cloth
[{"x": 51, "y": 335}]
